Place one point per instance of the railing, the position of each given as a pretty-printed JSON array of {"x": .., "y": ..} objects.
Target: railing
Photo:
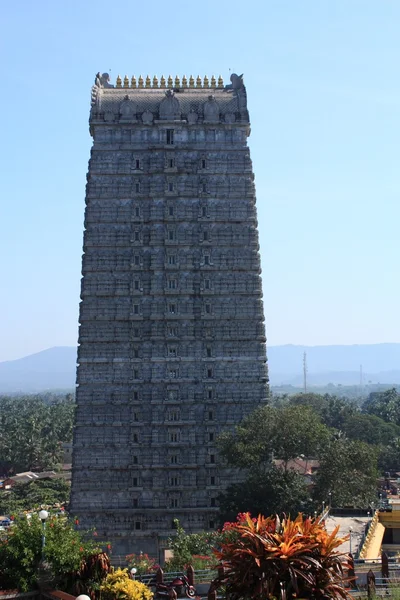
[
  {"x": 370, "y": 534},
  {"x": 200, "y": 576}
]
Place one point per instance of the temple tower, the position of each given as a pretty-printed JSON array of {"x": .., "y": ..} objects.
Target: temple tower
[{"x": 172, "y": 340}]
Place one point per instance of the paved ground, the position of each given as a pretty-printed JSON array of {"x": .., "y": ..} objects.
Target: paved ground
[{"x": 356, "y": 523}]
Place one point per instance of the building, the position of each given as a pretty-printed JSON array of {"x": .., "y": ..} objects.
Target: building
[{"x": 172, "y": 340}]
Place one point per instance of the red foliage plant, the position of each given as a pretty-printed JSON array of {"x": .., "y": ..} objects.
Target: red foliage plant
[{"x": 265, "y": 558}]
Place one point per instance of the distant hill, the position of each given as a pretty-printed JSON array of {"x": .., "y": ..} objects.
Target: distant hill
[
  {"x": 50, "y": 369},
  {"x": 55, "y": 368}
]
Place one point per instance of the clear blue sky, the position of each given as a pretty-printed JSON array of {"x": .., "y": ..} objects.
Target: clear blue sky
[{"x": 323, "y": 83}]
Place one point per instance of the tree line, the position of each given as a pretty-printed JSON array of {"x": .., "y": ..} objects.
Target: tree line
[{"x": 353, "y": 444}]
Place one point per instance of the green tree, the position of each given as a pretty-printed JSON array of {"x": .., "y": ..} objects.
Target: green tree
[
  {"x": 271, "y": 432},
  {"x": 30, "y": 496},
  {"x": 370, "y": 429},
  {"x": 32, "y": 431},
  {"x": 389, "y": 457},
  {"x": 385, "y": 405},
  {"x": 332, "y": 410},
  {"x": 268, "y": 492},
  {"x": 348, "y": 470}
]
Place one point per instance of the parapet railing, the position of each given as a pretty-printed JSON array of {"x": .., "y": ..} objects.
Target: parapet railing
[{"x": 370, "y": 534}]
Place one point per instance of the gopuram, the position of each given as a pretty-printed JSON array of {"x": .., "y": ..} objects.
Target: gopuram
[{"x": 172, "y": 339}]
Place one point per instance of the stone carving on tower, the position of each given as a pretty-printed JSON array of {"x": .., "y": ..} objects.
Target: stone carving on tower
[
  {"x": 171, "y": 340},
  {"x": 127, "y": 110},
  {"x": 211, "y": 110},
  {"x": 169, "y": 107}
]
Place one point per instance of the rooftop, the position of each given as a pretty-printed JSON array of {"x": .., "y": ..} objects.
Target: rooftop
[{"x": 150, "y": 100}]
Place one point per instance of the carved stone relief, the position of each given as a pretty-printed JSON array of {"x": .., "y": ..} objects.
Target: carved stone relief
[
  {"x": 147, "y": 117},
  {"x": 127, "y": 110},
  {"x": 170, "y": 107},
  {"x": 211, "y": 110},
  {"x": 192, "y": 117}
]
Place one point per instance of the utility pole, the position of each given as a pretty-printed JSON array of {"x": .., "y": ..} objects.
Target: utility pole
[
  {"x": 305, "y": 372},
  {"x": 361, "y": 380}
]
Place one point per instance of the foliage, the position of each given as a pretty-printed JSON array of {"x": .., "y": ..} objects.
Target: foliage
[
  {"x": 293, "y": 559},
  {"x": 119, "y": 586},
  {"x": 371, "y": 429},
  {"x": 32, "y": 432},
  {"x": 200, "y": 563},
  {"x": 284, "y": 433},
  {"x": 385, "y": 405},
  {"x": 272, "y": 491},
  {"x": 389, "y": 457},
  {"x": 348, "y": 470},
  {"x": 271, "y": 433},
  {"x": 20, "y": 554},
  {"x": 29, "y": 496},
  {"x": 143, "y": 563},
  {"x": 332, "y": 410},
  {"x": 188, "y": 547},
  {"x": 91, "y": 573},
  {"x": 21, "y": 551}
]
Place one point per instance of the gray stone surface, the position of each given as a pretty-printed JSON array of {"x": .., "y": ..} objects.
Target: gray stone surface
[{"x": 172, "y": 340}]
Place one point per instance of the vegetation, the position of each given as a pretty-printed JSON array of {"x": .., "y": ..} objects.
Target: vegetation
[
  {"x": 32, "y": 430},
  {"x": 273, "y": 490},
  {"x": 118, "y": 585},
  {"x": 374, "y": 421},
  {"x": 264, "y": 558},
  {"x": 30, "y": 496},
  {"x": 348, "y": 471},
  {"x": 351, "y": 443},
  {"x": 194, "y": 549},
  {"x": 143, "y": 563},
  {"x": 67, "y": 552}
]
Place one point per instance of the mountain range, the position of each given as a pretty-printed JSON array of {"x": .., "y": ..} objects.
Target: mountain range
[{"x": 55, "y": 368}]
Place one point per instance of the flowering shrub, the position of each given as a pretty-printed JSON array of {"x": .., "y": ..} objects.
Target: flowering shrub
[
  {"x": 264, "y": 558},
  {"x": 143, "y": 563},
  {"x": 119, "y": 586}
]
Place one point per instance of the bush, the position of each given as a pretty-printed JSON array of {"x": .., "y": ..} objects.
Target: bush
[
  {"x": 119, "y": 586},
  {"x": 194, "y": 549},
  {"x": 21, "y": 552},
  {"x": 264, "y": 558}
]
